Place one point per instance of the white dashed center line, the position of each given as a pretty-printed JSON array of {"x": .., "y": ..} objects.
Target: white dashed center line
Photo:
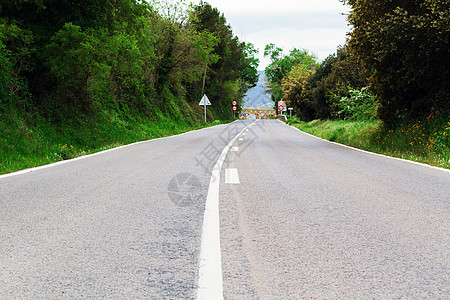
[
  {"x": 231, "y": 176},
  {"x": 210, "y": 281}
]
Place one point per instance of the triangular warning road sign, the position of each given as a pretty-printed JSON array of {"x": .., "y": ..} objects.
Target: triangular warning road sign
[{"x": 204, "y": 101}]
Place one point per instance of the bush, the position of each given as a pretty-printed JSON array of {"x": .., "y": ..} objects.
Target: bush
[{"x": 359, "y": 106}]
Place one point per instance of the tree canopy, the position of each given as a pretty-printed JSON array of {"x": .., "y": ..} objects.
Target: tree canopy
[
  {"x": 398, "y": 49},
  {"x": 405, "y": 47},
  {"x": 281, "y": 65},
  {"x": 64, "y": 59}
]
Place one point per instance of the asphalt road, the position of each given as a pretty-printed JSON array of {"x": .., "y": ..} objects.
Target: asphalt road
[{"x": 305, "y": 219}]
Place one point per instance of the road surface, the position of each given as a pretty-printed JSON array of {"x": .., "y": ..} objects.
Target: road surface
[{"x": 299, "y": 218}]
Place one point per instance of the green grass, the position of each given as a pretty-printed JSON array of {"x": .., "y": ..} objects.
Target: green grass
[
  {"x": 426, "y": 141},
  {"x": 29, "y": 141}
]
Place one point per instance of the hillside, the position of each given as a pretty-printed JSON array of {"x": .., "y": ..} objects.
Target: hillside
[{"x": 79, "y": 77}]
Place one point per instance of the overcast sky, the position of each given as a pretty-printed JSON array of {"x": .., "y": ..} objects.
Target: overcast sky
[{"x": 315, "y": 25}]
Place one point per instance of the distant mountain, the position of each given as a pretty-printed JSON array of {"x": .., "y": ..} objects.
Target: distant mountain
[{"x": 257, "y": 97}]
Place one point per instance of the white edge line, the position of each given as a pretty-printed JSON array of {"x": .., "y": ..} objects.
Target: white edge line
[
  {"x": 29, "y": 170},
  {"x": 373, "y": 153},
  {"x": 210, "y": 282}
]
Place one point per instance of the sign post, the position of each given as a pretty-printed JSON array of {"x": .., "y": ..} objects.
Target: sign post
[
  {"x": 204, "y": 102},
  {"x": 290, "y": 112},
  {"x": 234, "y": 106},
  {"x": 281, "y": 106}
]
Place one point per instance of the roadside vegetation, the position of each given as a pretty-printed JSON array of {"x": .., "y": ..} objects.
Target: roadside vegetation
[
  {"x": 385, "y": 91},
  {"x": 425, "y": 141},
  {"x": 81, "y": 76},
  {"x": 24, "y": 145}
]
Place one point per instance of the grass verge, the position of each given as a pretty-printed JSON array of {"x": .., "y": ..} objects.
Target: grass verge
[
  {"x": 426, "y": 141},
  {"x": 31, "y": 141}
]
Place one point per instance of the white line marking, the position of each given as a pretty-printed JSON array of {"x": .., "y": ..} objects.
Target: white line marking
[
  {"x": 210, "y": 282},
  {"x": 373, "y": 153},
  {"x": 231, "y": 176},
  {"x": 240, "y": 139},
  {"x": 234, "y": 149}
]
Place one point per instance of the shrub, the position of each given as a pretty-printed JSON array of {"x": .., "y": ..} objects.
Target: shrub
[{"x": 359, "y": 106}]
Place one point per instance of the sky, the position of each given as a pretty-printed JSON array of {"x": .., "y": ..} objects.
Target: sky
[{"x": 318, "y": 26}]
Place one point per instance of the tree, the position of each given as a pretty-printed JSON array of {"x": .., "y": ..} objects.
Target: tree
[
  {"x": 43, "y": 19},
  {"x": 405, "y": 47},
  {"x": 281, "y": 65},
  {"x": 230, "y": 76},
  {"x": 250, "y": 72},
  {"x": 120, "y": 57},
  {"x": 345, "y": 75},
  {"x": 295, "y": 90},
  {"x": 74, "y": 63},
  {"x": 15, "y": 53},
  {"x": 319, "y": 93}
]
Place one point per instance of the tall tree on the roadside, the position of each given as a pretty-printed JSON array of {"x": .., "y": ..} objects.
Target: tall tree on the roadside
[
  {"x": 224, "y": 77},
  {"x": 294, "y": 88},
  {"x": 319, "y": 94},
  {"x": 405, "y": 46},
  {"x": 250, "y": 72},
  {"x": 15, "y": 53},
  {"x": 345, "y": 75},
  {"x": 281, "y": 65}
]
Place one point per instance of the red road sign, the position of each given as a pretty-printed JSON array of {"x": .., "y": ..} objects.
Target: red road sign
[
  {"x": 234, "y": 108},
  {"x": 234, "y": 103},
  {"x": 280, "y": 107}
]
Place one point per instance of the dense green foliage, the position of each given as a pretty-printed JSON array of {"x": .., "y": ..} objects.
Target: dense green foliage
[
  {"x": 82, "y": 57},
  {"x": 294, "y": 87},
  {"x": 104, "y": 68},
  {"x": 397, "y": 56},
  {"x": 229, "y": 77},
  {"x": 281, "y": 65},
  {"x": 360, "y": 105},
  {"x": 405, "y": 46},
  {"x": 313, "y": 89}
]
